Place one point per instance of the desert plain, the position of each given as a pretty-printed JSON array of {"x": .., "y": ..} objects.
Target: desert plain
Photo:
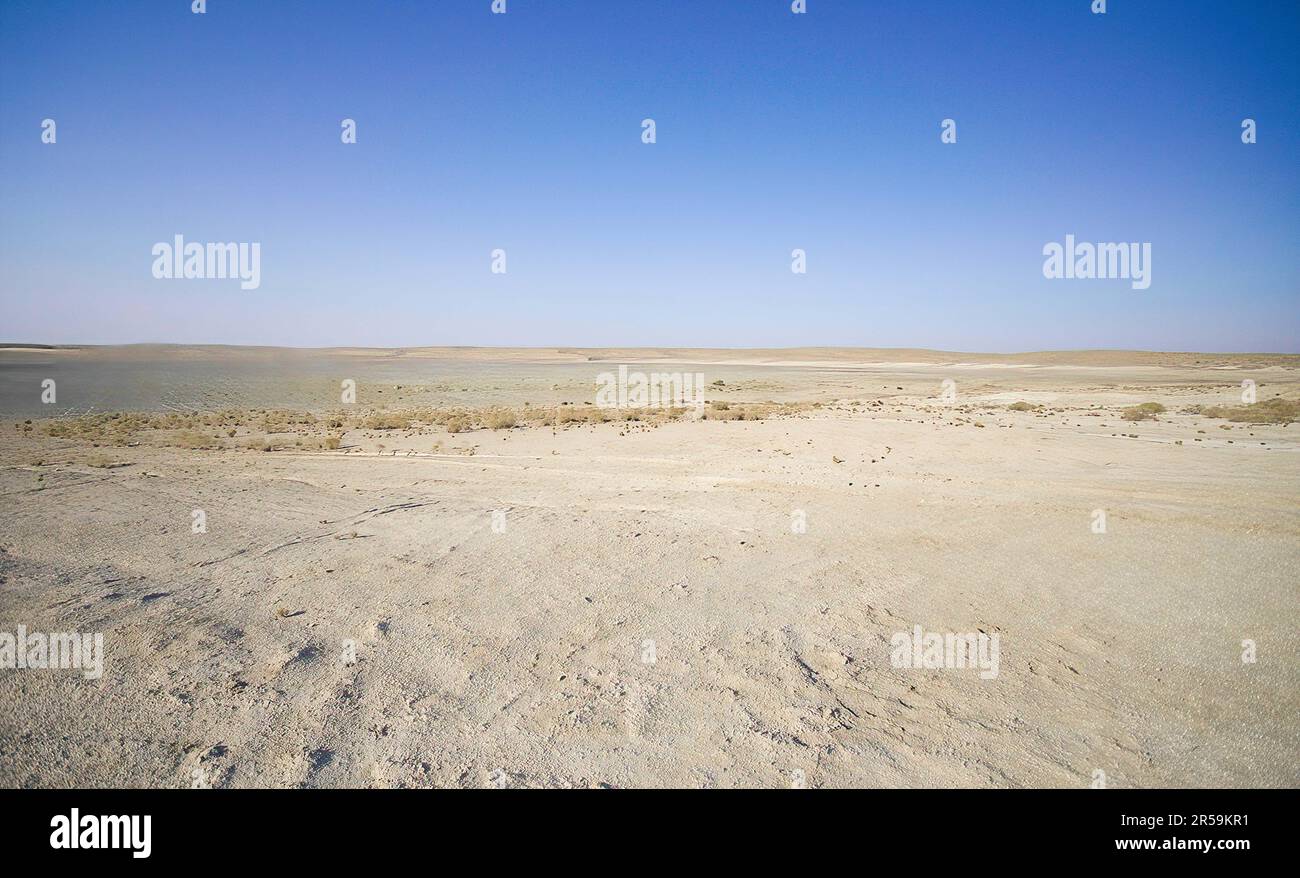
[{"x": 471, "y": 576}]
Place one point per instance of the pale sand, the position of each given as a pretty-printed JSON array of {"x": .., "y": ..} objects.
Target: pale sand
[{"x": 516, "y": 657}]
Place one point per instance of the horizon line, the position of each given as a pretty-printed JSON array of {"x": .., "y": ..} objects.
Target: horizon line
[{"x": 616, "y": 347}]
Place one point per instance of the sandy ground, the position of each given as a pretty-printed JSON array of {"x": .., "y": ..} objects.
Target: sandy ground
[{"x": 519, "y": 655}]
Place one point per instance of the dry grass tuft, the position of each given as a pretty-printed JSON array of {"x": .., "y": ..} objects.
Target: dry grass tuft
[
  {"x": 193, "y": 439},
  {"x": 500, "y": 419},
  {"x": 387, "y": 421},
  {"x": 1270, "y": 411},
  {"x": 1147, "y": 411}
]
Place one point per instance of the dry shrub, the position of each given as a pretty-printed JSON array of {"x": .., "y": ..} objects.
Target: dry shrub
[
  {"x": 284, "y": 421},
  {"x": 734, "y": 412},
  {"x": 1270, "y": 411},
  {"x": 1147, "y": 411},
  {"x": 193, "y": 439},
  {"x": 387, "y": 421},
  {"x": 500, "y": 420}
]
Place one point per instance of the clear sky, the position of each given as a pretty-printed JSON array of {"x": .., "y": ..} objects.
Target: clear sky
[{"x": 775, "y": 131}]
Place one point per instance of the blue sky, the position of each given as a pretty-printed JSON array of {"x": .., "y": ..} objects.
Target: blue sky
[{"x": 775, "y": 131}]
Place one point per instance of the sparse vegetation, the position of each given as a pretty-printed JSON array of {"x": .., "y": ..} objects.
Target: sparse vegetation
[
  {"x": 1270, "y": 411},
  {"x": 280, "y": 421},
  {"x": 193, "y": 439},
  {"x": 387, "y": 421},
  {"x": 1146, "y": 411},
  {"x": 272, "y": 429},
  {"x": 500, "y": 419}
]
